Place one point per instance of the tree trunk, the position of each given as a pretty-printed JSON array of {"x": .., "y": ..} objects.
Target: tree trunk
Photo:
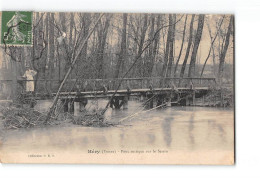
[
  {"x": 225, "y": 48},
  {"x": 71, "y": 31},
  {"x": 122, "y": 53},
  {"x": 35, "y": 43},
  {"x": 141, "y": 44},
  {"x": 167, "y": 48},
  {"x": 101, "y": 47},
  {"x": 64, "y": 59},
  {"x": 182, "y": 43},
  {"x": 150, "y": 58},
  {"x": 86, "y": 21},
  {"x": 196, "y": 46},
  {"x": 172, "y": 46},
  {"x": 213, "y": 52},
  {"x": 51, "y": 50},
  {"x": 46, "y": 58},
  {"x": 156, "y": 43},
  {"x": 188, "y": 48}
]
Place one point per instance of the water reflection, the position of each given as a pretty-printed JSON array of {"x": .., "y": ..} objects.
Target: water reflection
[
  {"x": 151, "y": 138},
  {"x": 167, "y": 130},
  {"x": 214, "y": 125},
  {"x": 178, "y": 128},
  {"x": 191, "y": 130}
]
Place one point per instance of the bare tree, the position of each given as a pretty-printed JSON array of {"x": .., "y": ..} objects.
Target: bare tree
[
  {"x": 211, "y": 45},
  {"x": 182, "y": 43},
  {"x": 51, "y": 51},
  {"x": 224, "y": 49},
  {"x": 150, "y": 57},
  {"x": 169, "y": 49},
  {"x": 156, "y": 44},
  {"x": 122, "y": 53},
  {"x": 172, "y": 46},
  {"x": 141, "y": 44},
  {"x": 188, "y": 48},
  {"x": 196, "y": 45},
  {"x": 102, "y": 37}
]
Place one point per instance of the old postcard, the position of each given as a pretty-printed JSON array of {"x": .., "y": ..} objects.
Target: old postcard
[{"x": 111, "y": 88}]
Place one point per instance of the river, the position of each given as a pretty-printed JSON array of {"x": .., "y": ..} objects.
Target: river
[{"x": 191, "y": 135}]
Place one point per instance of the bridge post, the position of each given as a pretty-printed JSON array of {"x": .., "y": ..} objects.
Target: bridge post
[
  {"x": 82, "y": 105},
  {"x": 71, "y": 106},
  {"x": 111, "y": 103},
  {"x": 141, "y": 98},
  {"x": 125, "y": 102},
  {"x": 174, "y": 99},
  {"x": 160, "y": 100},
  {"x": 187, "y": 100},
  {"x": 193, "y": 98},
  {"x": 149, "y": 103},
  {"x": 82, "y": 102},
  {"x": 65, "y": 105},
  {"x": 115, "y": 103},
  {"x": 119, "y": 101}
]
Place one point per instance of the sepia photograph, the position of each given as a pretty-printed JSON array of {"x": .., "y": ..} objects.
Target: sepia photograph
[{"x": 117, "y": 88}]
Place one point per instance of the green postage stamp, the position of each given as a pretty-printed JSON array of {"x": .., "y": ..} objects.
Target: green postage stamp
[{"x": 16, "y": 28}]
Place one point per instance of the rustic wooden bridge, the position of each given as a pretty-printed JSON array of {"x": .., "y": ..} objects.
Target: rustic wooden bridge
[{"x": 179, "y": 91}]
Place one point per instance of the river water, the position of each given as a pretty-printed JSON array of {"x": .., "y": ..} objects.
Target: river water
[{"x": 183, "y": 135}]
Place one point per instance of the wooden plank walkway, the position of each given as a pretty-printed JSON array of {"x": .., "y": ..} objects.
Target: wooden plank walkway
[{"x": 122, "y": 92}]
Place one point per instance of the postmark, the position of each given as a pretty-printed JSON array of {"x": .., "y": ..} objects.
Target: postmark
[{"x": 16, "y": 28}]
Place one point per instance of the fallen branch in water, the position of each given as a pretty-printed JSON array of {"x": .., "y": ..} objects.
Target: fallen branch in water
[
  {"x": 93, "y": 118},
  {"x": 139, "y": 112}
]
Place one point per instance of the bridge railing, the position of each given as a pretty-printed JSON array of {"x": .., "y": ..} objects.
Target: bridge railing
[{"x": 137, "y": 83}]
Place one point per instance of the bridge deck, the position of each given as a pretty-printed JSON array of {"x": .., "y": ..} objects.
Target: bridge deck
[
  {"x": 140, "y": 86},
  {"x": 123, "y": 92}
]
